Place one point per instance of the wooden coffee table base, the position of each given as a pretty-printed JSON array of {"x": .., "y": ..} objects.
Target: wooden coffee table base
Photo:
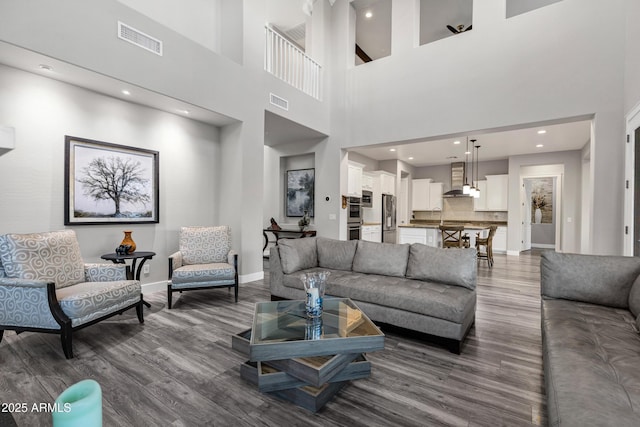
[{"x": 308, "y": 382}]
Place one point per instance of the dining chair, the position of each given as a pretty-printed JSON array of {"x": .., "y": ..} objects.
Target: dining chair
[
  {"x": 452, "y": 236},
  {"x": 487, "y": 244}
]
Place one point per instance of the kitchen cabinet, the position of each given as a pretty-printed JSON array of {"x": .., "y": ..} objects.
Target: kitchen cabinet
[
  {"x": 426, "y": 236},
  {"x": 426, "y": 195},
  {"x": 497, "y": 192},
  {"x": 500, "y": 240},
  {"x": 367, "y": 181},
  {"x": 372, "y": 233},
  {"x": 480, "y": 204},
  {"x": 387, "y": 183},
  {"x": 354, "y": 179}
]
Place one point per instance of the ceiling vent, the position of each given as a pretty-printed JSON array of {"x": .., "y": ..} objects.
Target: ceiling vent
[
  {"x": 279, "y": 102},
  {"x": 140, "y": 39}
]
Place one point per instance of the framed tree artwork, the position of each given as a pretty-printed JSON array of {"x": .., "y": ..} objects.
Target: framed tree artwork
[
  {"x": 300, "y": 192},
  {"x": 109, "y": 184}
]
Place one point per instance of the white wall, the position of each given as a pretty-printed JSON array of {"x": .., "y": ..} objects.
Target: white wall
[
  {"x": 507, "y": 72},
  {"x": 632, "y": 55},
  {"x": 43, "y": 111}
]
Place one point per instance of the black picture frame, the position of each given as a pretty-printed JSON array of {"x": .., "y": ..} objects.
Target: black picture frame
[
  {"x": 300, "y": 192},
  {"x": 91, "y": 195}
]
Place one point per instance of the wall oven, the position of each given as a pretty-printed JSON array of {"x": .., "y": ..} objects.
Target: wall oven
[
  {"x": 354, "y": 218},
  {"x": 367, "y": 199},
  {"x": 354, "y": 214}
]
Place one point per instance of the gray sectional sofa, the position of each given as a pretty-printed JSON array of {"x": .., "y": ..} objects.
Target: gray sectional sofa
[
  {"x": 591, "y": 345},
  {"x": 415, "y": 287}
]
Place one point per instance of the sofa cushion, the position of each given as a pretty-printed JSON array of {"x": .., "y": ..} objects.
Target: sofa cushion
[
  {"x": 53, "y": 256},
  {"x": 591, "y": 356},
  {"x": 298, "y": 254},
  {"x": 595, "y": 279},
  {"x": 336, "y": 254},
  {"x": 86, "y": 301},
  {"x": 451, "y": 266},
  {"x": 387, "y": 259},
  {"x": 634, "y": 297},
  {"x": 204, "y": 245}
]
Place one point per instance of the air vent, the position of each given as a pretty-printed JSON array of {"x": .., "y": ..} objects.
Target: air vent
[
  {"x": 140, "y": 39},
  {"x": 279, "y": 102}
]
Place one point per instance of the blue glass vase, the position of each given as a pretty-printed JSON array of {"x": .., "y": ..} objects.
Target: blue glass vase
[
  {"x": 314, "y": 286},
  {"x": 80, "y": 405}
]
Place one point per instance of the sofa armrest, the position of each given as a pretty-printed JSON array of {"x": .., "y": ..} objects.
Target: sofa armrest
[
  {"x": 175, "y": 261},
  {"x": 276, "y": 274},
  {"x": 29, "y": 304},
  {"x": 105, "y": 272}
]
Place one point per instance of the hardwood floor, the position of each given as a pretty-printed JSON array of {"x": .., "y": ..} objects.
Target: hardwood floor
[{"x": 178, "y": 369}]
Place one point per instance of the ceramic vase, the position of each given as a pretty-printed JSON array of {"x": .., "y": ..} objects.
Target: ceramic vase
[
  {"x": 80, "y": 405},
  {"x": 537, "y": 216},
  {"x": 129, "y": 241}
]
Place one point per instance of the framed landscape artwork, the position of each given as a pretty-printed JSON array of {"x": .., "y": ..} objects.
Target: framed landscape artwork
[
  {"x": 109, "y": 184},
  {"x": 300, "y": 192}
]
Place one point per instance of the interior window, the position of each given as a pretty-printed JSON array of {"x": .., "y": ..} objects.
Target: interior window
[
  {"x": 518, "y": 7},
  {"x": 373, "y": 29},
  {"x": 444, "y": 18}
]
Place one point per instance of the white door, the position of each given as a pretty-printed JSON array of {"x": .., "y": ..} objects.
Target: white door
[{"x": 525, "y": 196}]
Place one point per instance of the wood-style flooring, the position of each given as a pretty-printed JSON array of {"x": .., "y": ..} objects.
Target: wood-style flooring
[{"x": 178, "y": 369}]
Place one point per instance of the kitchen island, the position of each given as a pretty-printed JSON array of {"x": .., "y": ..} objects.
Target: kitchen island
[{"x": 428, "y": 232}]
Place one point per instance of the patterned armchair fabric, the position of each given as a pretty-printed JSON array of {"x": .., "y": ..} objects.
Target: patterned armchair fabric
[
  {"x": 44, "y": 285},
  {"x": 205, "y": 259},
  {"x": 204, "y": 245}
]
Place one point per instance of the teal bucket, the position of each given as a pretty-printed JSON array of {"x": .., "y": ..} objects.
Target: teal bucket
[{"x": 79, "y": 406}]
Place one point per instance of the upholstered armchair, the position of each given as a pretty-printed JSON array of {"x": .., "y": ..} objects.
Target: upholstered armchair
[
  {"x": 46, "y": 287},
  {"x": 204, "y": 260}
]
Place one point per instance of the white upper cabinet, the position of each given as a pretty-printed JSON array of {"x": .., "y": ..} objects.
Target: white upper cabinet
[
  {"x": 497, "y": 192},
  {"x": 354, "y": 179},
  {"x": 367, "y": 181},
  {"x": 480, "y": 204},
  {"x": 426, "y": 195},
  {"x": 387, "y": 183}
]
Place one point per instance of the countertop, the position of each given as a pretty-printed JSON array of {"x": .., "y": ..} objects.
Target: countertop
[
  {"x": 371, "y": 223},
  {"x": 471, "y": 225}
]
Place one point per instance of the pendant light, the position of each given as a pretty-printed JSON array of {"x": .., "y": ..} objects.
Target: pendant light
[
  {"x": 472, "y": 190},
  {"x": 477, "y": 193},
  {"x": 466, "y": 188}
]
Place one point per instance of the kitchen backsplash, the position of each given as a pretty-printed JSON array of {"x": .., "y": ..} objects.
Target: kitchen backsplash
[{"x": 460, "y": 209}]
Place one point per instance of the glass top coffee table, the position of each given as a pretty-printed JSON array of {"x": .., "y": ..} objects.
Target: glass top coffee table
[{"x": 304, "y": 360}]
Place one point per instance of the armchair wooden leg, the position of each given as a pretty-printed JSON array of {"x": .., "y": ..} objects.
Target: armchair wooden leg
[
  {"x": 169, "y": 296},
  {"x": 236, "y": 291},
  {"x": 140, "y": 310},
  {"x": 66, "y": 338},
  {"x": 1, "y": 334}
]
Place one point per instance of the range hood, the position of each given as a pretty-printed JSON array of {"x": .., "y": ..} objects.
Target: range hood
[{"x": 457, "y": 180}]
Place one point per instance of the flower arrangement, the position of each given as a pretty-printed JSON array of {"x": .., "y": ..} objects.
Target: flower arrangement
[{"x": 538, "y": 200}]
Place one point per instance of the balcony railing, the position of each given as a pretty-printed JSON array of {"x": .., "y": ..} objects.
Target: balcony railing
[{"x": 287, "y": 62}]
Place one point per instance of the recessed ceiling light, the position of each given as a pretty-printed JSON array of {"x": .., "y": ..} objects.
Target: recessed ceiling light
[
  {"x": 392, "y": 149},
  {"x": 467, "y": 152},
  {"x": 125, "y": 92},
  {"x": 456, "y": 142},
  {"x": 539, "y": 145},
  {"x": 410, "y": 158},
  {"x": 542, "y": 131},
  {"x": 368, "y": 14},
  {"x": 184, "y": 111},
  {"x": 45, "y": 67}
]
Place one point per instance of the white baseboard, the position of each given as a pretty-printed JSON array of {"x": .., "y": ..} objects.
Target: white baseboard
[
  {"x": 149, "y": 288},
  {"x": 513, "y": 253},
  {"x": 246, "y": 278},
  {"x": 543, "y": 246}
]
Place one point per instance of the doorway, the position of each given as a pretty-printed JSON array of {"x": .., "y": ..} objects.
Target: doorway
[
  {"x": 632, "y": 192},
  {"x": 541, "y": 207}
]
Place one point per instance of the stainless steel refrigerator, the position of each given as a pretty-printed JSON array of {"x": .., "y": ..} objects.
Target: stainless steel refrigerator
[{"x": 388, "y": 218}]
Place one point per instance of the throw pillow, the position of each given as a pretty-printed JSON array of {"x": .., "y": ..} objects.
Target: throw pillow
[
  {"x": 387, "y": 259},
  {"x": 336, "y": 254},
  {"x": 449, "y": 266},
  {"x": 52, "y": 257},
  {"x": 205, "y": 245},
  {"x": 298, "y": 254}
]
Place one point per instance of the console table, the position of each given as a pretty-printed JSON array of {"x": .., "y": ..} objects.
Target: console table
[
  {"x": 285, "y": 233},
  {"x": 132, "y": 272}
]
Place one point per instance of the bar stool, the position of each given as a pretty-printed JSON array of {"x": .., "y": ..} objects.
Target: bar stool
[
  {"x": 487, "y": 243},
  {"x": 452, "y": 236}
]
